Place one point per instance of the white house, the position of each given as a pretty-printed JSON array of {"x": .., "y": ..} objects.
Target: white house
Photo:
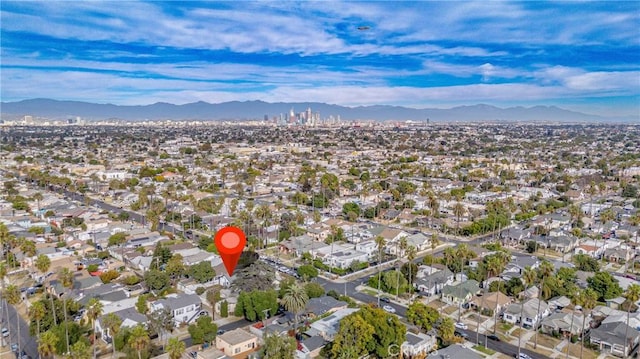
[
  {"x": 183, "y": 307},
  {"x": 530, "y": 315},
  {"x": 370, "y": 248}
]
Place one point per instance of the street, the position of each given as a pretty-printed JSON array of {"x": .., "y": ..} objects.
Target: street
[{"x": 22, "y": 338}]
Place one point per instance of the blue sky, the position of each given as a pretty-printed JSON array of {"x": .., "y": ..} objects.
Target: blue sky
[{"x": 578, "y": 55}]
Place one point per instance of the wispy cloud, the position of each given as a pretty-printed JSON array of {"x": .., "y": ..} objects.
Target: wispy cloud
[{"x": 411, "y": 53}]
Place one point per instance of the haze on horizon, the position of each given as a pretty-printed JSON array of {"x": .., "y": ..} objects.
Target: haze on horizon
[{"x": 581, "y": 56}]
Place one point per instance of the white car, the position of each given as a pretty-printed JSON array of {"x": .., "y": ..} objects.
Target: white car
[
  {"x": 5, "y": 332},
  {"x": 460, "y": 325},
  {"x": 389, "y": 309}
]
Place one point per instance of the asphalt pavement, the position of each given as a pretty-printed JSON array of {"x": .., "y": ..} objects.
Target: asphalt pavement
[
  {"x": 500, "y": 346},
  {"x": 28, "y": 343}
]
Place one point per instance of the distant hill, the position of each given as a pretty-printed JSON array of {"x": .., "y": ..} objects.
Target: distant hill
[{"x": 236, "y": 110}]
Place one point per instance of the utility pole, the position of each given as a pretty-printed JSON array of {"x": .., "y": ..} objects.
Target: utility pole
[{"x": 265, "y": 311}]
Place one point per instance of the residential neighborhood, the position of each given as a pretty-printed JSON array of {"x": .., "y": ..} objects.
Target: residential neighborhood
[{"x": 469, "y": 241}]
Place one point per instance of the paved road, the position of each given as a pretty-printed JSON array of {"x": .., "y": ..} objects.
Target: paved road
[
  {"x": 22, "y": 337},
  {"x": 500, "y": 346}
]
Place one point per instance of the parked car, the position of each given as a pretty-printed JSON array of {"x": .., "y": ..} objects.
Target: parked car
[
  {"x": 493, "y": 337},
  {"x": 522, "y": 356},
  {"x": 461, "y": 334},
  {"x": 460, "y": 325},
  {"x": 389, "y": 309},
  {"x": 5, "y": 332}
]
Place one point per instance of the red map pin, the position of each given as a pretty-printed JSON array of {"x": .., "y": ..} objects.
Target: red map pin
[{"x": 230, "y": 242}]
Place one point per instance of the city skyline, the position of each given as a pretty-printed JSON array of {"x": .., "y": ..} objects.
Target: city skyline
[{"x": 582, "y": 56}]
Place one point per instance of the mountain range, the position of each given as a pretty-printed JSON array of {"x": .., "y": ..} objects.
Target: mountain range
[{"x": 251, "y": 110}]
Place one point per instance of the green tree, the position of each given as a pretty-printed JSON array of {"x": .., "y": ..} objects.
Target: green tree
[
  {"x": 175, "y": 267},
  {"x": 80, "y": 350},
  {"x": 139, "y": 340},
  {"x": 314, "y": 290},
  {"x": 632, "y": 295},
  {"x": 253, "y": 305},
  {"x": 422, "y": 315},
  {"x": 43, "y": 263},
  {"x": 588, "y": 300},
  {"x": 279, "y": 347},
  {"x": 307, "y": 272},
  {"x": 141, "y": 304},
  {"x": 203, "y": 331},
  {"x": 117, "y": 239},
  {"x": 12, "y": 296},
  {"x": 112, "y": 323},
  {"x": 605, "y": 285},
  {"x": 213, "y": 296},
  {"x": 47, "y": 344},
  {"x": 446, "y": 330},
  {"x": 175, "y": 348},
  {"x": 295, "y": 301},
  {"x": 157, "y": 280},
  {"x": 94, "y": 311},
  {"x": 202, "y": 272},
  {"x": 224, "y": 309},
  {"x": 37, "y": 313},
  {"x": 352, "y": 339},
  {"x": 388, "y": 331}
]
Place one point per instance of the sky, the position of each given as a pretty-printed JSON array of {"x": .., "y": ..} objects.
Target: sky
[{"x": 578, "y": 55}]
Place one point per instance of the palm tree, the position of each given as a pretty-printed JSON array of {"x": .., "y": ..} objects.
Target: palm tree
[
  {"x": 295, "y": 300},
  {"x": 79, "y": 350},
  {"x": 411, "y": 255},
  {"x": 43, "y": 263},
  {"x": 529, "y": 277},
  {"x": 3, "y": 273},
  {"x": 12, "y": 296},
  {"x": 175, "y": 348},
  {"x": 47, "y": 344},
  {"x": 38, "y": 197},
  {"x": 576, "y": 300},
  {"x": 632, "y": 295},
  {"x": 458, "y": 211},
  {"x": 588, "y": 299},
  {"x": 139, "y": 339},
  {"x": 66, "y": 279},
  {"x": 544, "y": 271},
  {"x": 94, "y": 311},
  {"x": 37, "y": 311},
  {"x": 112, "y": 323},
  {"x": 380, "y": 242},
  {"x": 403, "y": 247}
]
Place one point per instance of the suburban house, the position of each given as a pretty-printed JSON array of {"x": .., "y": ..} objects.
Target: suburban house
[
  {"x": 183, "y": 307},
  {"x": 461, "y": 293},
  {"x": 564, "y": 323},
  {"x": 418, "y": 343},
  {"x": 326, "y": 304},
  {"x": 130, "y": 318},
  {"x": 610, "y": 338},
  {"x": 419, "y": 241},
  {"x": 310, "y": 347},
  {"x": 432, "y": 284},
  {"x": 327, "y": 327},
  {"x": 530, "y": 315},
  {"x": 490, "y": 302},
  {"x": 236, "y": 342}
]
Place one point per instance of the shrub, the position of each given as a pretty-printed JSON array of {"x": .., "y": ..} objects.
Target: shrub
[
  {"x": 224, "y": 309},
  {"x": 200, "y": 290}
]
